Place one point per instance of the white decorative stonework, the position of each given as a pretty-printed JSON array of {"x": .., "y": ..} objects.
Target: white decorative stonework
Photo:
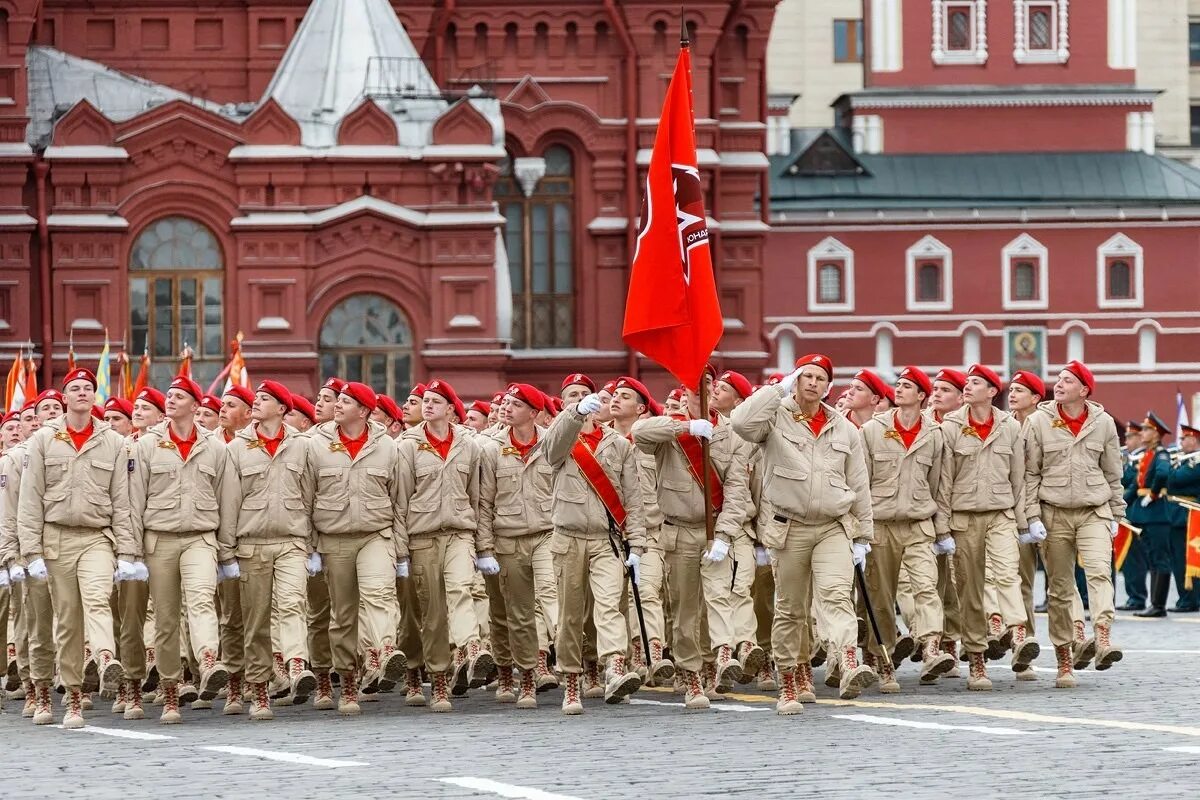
[
  {"x": 1061, "y": 51},
  {"x": 941, "y": 16},
  {"x": 528, "y": 171}
]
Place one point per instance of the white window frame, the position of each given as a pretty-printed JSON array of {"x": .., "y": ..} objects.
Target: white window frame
[
  {"x": 1025, "y": 247},
  {"x": 1060, "y": 32},
  {"x": 1119, "y": 246},
  {"x": 941, "y": 34},
  {"x": 928, "y": 249},
  {"x": 830, "y": 249}
]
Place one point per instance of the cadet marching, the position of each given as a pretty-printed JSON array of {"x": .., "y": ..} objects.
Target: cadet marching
[{"x": 271, "y": 551}]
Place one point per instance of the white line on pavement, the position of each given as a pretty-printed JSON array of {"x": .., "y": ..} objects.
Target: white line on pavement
[
  {"x": 1166, "y": 652},
  {"x": 291, "y": 758},
  {"x": 909, "y": 723},
  {"x": 1189, "y": 749},
  {"x": 120, "y": 733},
  {"x": 715, "y": 706},
  {"x": 505, "y": 789}
]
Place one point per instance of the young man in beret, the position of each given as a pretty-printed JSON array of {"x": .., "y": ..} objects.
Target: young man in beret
[
  {"x": 208, "y": 412},
  {"x": 389, "y": 415},
  {"x": 118, "y": 412},
  {"x": 865, "y": 393},
  {"x": 303, "y": 414},
  {"x": 320, "y": 652}
]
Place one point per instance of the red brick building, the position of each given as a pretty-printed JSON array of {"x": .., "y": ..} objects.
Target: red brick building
[
  {"x": 992, "y": 195},
  {"x": 385, "y": 191}
]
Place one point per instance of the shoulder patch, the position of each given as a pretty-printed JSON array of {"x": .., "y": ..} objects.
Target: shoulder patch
[
  {"x": 25, "y": 460},
  {"x": 129, "y": 466},
  {"x": 3, "y": 480}
]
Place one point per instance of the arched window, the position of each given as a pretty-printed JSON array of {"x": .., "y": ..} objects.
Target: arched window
[
  {"x": 1120, "y": 279},
  {"x": 176, "y": 298},
  {"x": 829, "y": 289},
  {"x": 537, "y": 198},
  {"x": 1024, "y": 281},
  {"x": 367, "y": 338},
  {"x": 929, "y": 282}
]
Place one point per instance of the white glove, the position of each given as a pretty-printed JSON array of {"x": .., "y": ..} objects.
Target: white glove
[
  {"x": 16, "y": 573},
  {"x": 944, "y": 547},
  {"x": 140, "y": 573},
  {"x": 701, "y": 427},
  {"x": 633, "y": 562},
  {"x": 37, "y": 569},
  {"x": 860, "y": 550},
  {"x": 1147, "y": 500},
  {"x": 789, "y": 381},
  {"x": 313, "y": 565},
  {"x": 231, "y": 571},
  {"x": 1112, "y": 529},
  {"x": 488, "y": 565},
  {"x": 761, "y": 557},
  {"x": 4, "y": 579},
  {"x": 125, "y": 571},
  {"x": 1037, "y": 531},
  {"x": 589, "y": 405},
  {"x": 402, "y": 569},
  {"x": 1025, "y": 537},
  {"x": 716, "y": 553}
]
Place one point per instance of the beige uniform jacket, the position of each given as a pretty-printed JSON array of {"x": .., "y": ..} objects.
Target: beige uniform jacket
[
  {"x": 807, "y": 478},
  {"x": 982, "y": 475},
  {"x": 441, "y": 496},
  {"x": 577, "y": 510},
  {"x": 266, "y": 499},
  {"x": 1069, "y": 471},
  {"x": 62, "y": 488},
  {"x": 680, "y": 496},
  {"x": 359, "y": 495},
  {"x": 168, "y": 495},
  {"x": 514, "y": 495},
  {"x": 10, "y": 490},
  {"x": 904, "y": 481}
]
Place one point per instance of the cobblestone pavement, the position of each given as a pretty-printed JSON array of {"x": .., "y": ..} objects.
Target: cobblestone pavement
[{"x": 1133, "y": 731}]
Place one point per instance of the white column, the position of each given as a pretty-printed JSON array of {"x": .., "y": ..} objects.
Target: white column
[
  {"x": 504, "y": 307},
  {"x": 1148, "y": 132},
  {"x": 885, "y": 35},
  {"x": 874, "y": 143},
  {"x": 1147, "y": 347},
  {"x": 884, "y": 360},
  {"x": 858, "y": 133},
  {"x": 785, "y": 343},
  {"x": 1133, "y": 131},
  {"x": 1122, "y": 34},
  {"x": 971, "y": 347},
  {"x": 1075, "y": 344}
]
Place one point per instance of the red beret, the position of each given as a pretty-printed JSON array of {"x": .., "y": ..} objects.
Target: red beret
[
  {"x": 952, "y": 377},
  {"x": 439, "y": 386},
  {"x": 818, "y": 360},
  {"x": 154, "y": 397},
  {"x": 1031, "y": 382},
  {"x": 774, "y": 378},
  {"x": 30, "y": 405},
  {"x": 529, "y": 395},
  {"x": 241, "y": 393},
  {"x": 655, "y": 408},
  {"x": 360, "y": 393},
  {"x": 675, "y": 394},
  {"x": 609, "y": 387},
  {"x": 418, "y": 390},
  {"x": 711, "y": 370},
  {"x": 482, "y": 406},
  {"x": 889, "y": 394},
  {"x": 50, "y": 394},
  {"x": 557, "y": 405},
  {"x": 80, "y": 374},
  {"x": 98, "y": 413},
  {"x": 304, "y": 406},
  {"x": 738, "y": 382},
  {"x": 278, "y": 391},
  {"x": 186, "y": 384},
  {"x": 11, "y": 416},
  {"x": 581, "y": 379},
  {"x": 388, "y": 406},
  {"x": 498, "y": 397},
  {"x": 989, "y": 375},
  {"x": 1079, "y": 370},
  {"x": 335, "y": 385},
  {"x": 119, "y": 405},
  {"x": 872, "y": 382},
  {"x": 636, "y": 385},
  {"x": 211, "y": 402},
  {"x": 918, "y": 377}
]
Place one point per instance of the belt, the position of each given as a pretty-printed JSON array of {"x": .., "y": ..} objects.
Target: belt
[{"x": 674, "y": 523}]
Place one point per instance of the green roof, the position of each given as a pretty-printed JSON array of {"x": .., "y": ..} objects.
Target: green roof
[{"x": 957, "y": 180}]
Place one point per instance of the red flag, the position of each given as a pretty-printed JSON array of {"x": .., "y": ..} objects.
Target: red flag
[
  {"x": 1192, "y": 557},
  {"x": 672, "y": 314},
  {"x": 143, "y": 377},
  {"x": 1122, "y": 542}
]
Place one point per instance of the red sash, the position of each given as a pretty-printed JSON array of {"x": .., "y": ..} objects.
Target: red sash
[
  {"x": 596, "y": 477},
  {"x": 694, "y": 453}
]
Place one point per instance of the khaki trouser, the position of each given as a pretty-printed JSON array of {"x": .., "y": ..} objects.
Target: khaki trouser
[
  {"x": 81, "y": 579},
  {"x": 6, "y": 636},
  {"x": 988, "y": 531},
  {"x": 408, "y": 632},
  {"x": 908, "y": 544},
  {"x": 1082, "y": 532},
  {"x": 360, "y": 571},
  {"x": 651, "y": 573},
  {"x": 233, "y": 628},
  {"x": 273, "y": 576},
  {"x": 39, "y": 628},
  {"x": 133, "y": 598},
  {"x": 20, "y": 621},
  {"x": 951, "y": 629},
  {"x": 183, "y": 564},
  {"x": 763, "y": 592},
  {"x": 745, "y": 624},
  {"x": 586, "y": 566},
  {"x": 696, "y": 587},
  {"x": 439, "y": 595},
  {"x": 513, "y": 604},
  {"x": 479, "y": 605},
  {"x": 318, "y": 622},
  {"x": 814, "y": 561},
  {"x": 545, "y": 591}
]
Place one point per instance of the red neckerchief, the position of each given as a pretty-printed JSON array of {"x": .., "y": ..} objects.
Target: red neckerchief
[
  {"x": 442, "y": 446},
  {"x": 522, "y": 449},
  {"x": 937, "y": 418},
  {"x": 907, "y": 435},
  {"x": 592, "y": 440},
  {"x": 984, "y": 429},
  {"x": 850, "y": 416},
  {"x": 817, "y": 421},
  {"x": 78, "y": 438},
  {"x": 353, "y": 445},
  {"x": 271, "y": 444},
  {"x": 184, "y": 446},
  {"x": 228, "y": 434},
  {"x": 1074, "y": 424}
]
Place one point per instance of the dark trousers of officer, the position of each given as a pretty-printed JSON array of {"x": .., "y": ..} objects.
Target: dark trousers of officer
[{"x": 1134, "y": 572}]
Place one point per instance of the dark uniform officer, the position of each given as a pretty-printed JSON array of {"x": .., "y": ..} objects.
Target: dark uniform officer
[
  {"x": 1184, "y": 483},
  {"x": 1146, "y": 499}
]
